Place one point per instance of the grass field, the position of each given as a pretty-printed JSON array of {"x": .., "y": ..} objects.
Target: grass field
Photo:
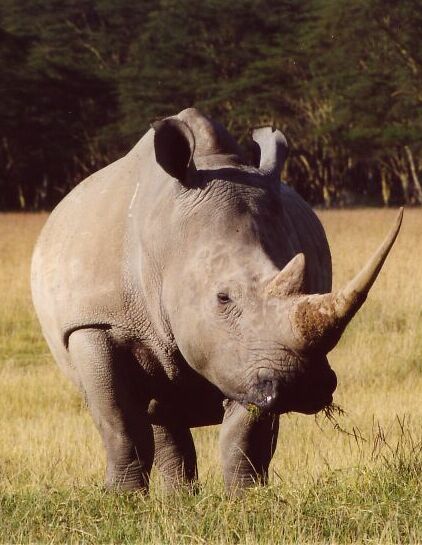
[{"x": 357, "y": 481}]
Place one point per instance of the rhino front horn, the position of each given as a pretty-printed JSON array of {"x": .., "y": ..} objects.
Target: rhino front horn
[{"x": 318, "y": 320}]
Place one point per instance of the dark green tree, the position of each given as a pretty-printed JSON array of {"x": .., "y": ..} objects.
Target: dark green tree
[{"x": 82, "y": 80}]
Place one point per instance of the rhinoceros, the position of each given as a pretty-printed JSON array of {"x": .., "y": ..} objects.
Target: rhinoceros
[{"x": 180, "y": 287}]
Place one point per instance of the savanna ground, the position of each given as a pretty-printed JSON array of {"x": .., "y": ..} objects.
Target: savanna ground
[{"x": 357, "y": 484}]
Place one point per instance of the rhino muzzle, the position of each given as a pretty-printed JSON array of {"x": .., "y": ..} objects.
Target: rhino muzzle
[{"x": 307, "y": 389}]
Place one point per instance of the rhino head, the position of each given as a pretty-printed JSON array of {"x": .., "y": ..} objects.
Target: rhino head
[{"x": 240, "y": 302}]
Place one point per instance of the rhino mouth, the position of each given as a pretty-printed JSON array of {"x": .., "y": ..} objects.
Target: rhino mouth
[
  {"x": 308, "y": 394},
  {"x": 275, "y": 406}
]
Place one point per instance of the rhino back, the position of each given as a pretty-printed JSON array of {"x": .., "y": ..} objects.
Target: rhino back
[{"x": 80, "y": 264}]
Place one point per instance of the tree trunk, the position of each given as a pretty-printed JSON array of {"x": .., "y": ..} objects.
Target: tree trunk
[
  {"x": 414, "y": 175},
  {"x": 385, "y": 188}
]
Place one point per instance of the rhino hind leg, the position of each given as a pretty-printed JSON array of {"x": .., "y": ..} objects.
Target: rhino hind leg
[
  {"x": 119, "y": 414},
  {"x": 175, "y": 456},
  {"x": 247, "y": 444}
]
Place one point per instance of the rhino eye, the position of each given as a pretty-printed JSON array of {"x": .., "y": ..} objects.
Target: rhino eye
[{"x": 223, "y": 298}]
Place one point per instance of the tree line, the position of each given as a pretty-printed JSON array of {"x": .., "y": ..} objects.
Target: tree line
[{"x": 81, "y": 81}]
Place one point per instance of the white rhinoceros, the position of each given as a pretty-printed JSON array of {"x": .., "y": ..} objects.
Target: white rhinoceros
[{"x": 179, "y": 287}]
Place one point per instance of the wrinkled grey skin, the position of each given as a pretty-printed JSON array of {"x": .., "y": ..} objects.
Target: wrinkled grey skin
[{"x": 158, "y": 286}]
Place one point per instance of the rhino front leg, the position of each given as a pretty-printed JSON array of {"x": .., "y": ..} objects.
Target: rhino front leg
[
  {"x": 175, "y": 455},
  {"x": 119, "y": 412},
  {"x": 247, "y": 444}
]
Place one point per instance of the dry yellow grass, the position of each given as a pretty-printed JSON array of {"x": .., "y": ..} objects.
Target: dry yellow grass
[{"x": 47, "y": 439}]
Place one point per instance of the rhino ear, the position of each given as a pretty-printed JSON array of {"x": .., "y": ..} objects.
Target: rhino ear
[
  {"x": 174, "y": 146},
  {"x": 270, "y": 150}
]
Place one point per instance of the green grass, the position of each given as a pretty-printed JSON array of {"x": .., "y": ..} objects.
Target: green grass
[
  {"x": 356, "y": 479},
  {"x": 355, "y": 505}
]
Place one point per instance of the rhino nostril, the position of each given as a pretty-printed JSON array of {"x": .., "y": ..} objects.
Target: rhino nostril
[
  {"x": 267, "y": 392},
  {"x": 267, "y": 386},
  {"x": 328, "y": 379},
  {"x": 332, "y": 381}
]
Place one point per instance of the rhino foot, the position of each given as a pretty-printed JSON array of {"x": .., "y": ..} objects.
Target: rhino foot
[
  {"x": 119, "y": 414},
  {"x": 247, "y": 444}
]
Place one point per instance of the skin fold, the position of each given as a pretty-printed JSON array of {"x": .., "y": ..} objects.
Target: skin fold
[{"x": 180, "y": 287}]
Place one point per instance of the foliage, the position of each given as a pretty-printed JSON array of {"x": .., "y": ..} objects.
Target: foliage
[{"x": 81, "y": 82}]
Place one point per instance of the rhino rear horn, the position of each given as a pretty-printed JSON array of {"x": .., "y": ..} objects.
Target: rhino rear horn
[
  {"x": 290, "y": 280},
  {"x": 272, "y": 150},
  {"x": 174, "y": 145}
]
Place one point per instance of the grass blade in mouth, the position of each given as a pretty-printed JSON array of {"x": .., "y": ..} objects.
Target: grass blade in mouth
[{"x": 254, "y": 410}]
